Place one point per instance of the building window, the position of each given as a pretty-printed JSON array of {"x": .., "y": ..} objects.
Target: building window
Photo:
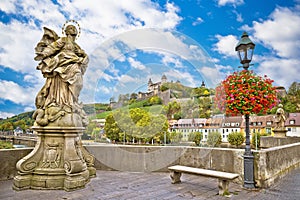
[{"x": 292, "y": 121}]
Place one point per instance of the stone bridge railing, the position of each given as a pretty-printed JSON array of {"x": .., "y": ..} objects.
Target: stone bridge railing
[{"x": 270, "y": 164}]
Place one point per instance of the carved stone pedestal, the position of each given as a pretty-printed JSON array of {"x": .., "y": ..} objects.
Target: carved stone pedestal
[
  {"x": 58, "y": 161},
  {"x": 280, "y": 133}
]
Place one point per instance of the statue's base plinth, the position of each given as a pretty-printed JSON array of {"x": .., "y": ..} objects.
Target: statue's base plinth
[
  {"x": 58, "y": 161},
  {"x": 280, "y": 133}
]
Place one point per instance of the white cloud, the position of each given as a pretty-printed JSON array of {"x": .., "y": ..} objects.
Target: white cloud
[
  {"x": 29, "y": 108},
  {"x": 239, "y": 17},
  {"x": 126, "y": 79},
  {"x": 184, "y": 77},
  {"x": 211, "y": 76},
  {"x": 5, "y": 115},
  {"x": 198, "y": 21},
  {"x": 7, "y": 6},
  {"x": 11, "y": 91},
  {"x": 105, "y": 90},
  {"x": 136, "y": 64},
  {"x": 18, "y": 38},
  {"x": 281, "y": 32},
  {"x": 232, "y": 2},
  {"x": 226, "y": 45},
  {"x": 282, "y": 71},
  {"x": 169, "y": 59}
]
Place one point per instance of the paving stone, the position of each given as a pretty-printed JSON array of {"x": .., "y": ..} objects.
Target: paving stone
[{"x": 115, "y": 185}]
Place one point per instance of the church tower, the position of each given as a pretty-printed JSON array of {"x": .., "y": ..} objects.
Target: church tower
[{"x": 163, "y": 79}]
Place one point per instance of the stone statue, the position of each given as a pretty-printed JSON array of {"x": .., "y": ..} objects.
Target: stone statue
[
  {"x": 280, "y": 118},
  {"x": 58, "y": 160},
  {"x": 62, "y": 63}
]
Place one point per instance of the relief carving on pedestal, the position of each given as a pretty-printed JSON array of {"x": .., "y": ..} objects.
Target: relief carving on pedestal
[{"x": 52, "y": 155}]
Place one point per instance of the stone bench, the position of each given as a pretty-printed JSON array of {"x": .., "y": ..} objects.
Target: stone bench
[{"x": 224, "y": 177}]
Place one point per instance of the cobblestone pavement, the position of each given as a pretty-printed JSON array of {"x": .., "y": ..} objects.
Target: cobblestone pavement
[{"x": 157, "y": 185}]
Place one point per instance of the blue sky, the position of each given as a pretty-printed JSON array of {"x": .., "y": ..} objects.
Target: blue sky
[{"x": 130, "y": 41}]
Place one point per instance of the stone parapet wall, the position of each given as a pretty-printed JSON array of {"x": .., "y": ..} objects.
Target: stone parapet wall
[
  {"x": 274, "y": 163},
  {"x": 9, "y": 159},
  {"x": 270, "y": 141},
  {"x": 270, "y": 164}
]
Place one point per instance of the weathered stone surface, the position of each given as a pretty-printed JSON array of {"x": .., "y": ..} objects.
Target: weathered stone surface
[
  {"x": 269, "y": 141},
  {"x": 58, "y": 161},
  {"x": 9, "y": 159}
]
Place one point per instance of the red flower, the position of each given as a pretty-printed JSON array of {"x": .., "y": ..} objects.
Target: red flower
[{"x": 245, "y": 93}]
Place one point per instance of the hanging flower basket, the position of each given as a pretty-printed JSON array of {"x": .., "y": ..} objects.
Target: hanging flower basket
[{"x": 245, "y": 93}]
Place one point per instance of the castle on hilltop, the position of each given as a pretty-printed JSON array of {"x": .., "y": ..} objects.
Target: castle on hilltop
[{"x": 153, "y": 88}]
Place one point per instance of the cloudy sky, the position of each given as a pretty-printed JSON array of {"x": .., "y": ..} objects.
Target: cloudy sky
[{"x": 130, "y": 41}]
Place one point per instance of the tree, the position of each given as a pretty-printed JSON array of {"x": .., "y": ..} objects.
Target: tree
[
  {"x": 134, "y": 123},
  {"x": 195, "y": 137},
  {"x": 236, "y": 138},
  {"x": 155, "y": 100},
  {"x": 163, "y": 88},
  {"x": 176, "y": 137},
  {"x": 171, "y": 109},
  {"x": 133, "y": 96},
  {"x": 7, "y": 126},
  {"x": 111, "y": 128},
  {"x": 214, "y": 139}
]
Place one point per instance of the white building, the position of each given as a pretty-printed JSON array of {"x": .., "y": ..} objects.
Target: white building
[
  {"x": 292, "y": 124},
  {"x": 230, "y": 125},
  {"x": 187, "y": 126}
]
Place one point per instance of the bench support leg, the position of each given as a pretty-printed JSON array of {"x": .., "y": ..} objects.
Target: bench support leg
[
  {"x": 175, "y": 176},
  {"x": 223, "y": 186}
]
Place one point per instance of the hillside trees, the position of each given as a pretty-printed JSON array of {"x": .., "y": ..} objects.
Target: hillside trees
[{"x": 172, "y": 109}]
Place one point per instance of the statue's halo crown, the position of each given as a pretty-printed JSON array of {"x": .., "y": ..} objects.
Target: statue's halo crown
[{"x": 71, "y": 22}]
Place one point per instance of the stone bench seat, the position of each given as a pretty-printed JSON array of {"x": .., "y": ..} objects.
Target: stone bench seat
[{"x": 223, "y": 177}]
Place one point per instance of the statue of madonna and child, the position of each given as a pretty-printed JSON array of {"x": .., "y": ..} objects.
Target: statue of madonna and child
[
  {"x": 62, "y": 63},
  {"x": 58, "y": 161}
]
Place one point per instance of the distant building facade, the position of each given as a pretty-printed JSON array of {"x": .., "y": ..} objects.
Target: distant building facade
[
  {"x": 292, "y": 125},
  {"x": 229, "y": 124}
]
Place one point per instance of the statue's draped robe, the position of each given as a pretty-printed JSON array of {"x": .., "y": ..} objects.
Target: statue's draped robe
[{"x": 63, "y": 67}]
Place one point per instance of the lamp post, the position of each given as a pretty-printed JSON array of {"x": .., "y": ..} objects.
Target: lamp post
[{"x": 245, "y": 49}]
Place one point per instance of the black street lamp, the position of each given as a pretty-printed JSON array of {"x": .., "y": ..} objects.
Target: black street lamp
[{"x": 245, "y": 49}]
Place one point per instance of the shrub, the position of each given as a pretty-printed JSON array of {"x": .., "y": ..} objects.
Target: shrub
[
  {"x": 176, "y": 137},
  {"x": 236, "y": 138},
  {"x": 214, "y": 139},
  {"x": 258, "y": 135},
  {"x": 195, "y": 137},
  {"x": 6, "y": 145}
]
